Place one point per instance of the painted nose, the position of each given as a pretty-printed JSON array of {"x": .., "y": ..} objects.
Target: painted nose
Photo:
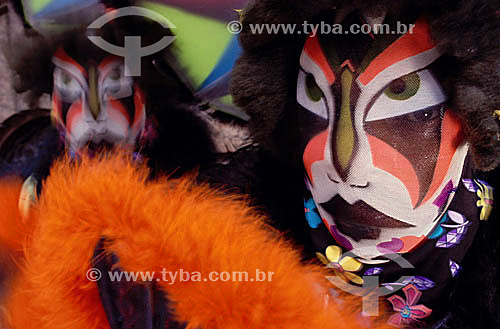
[
  {"x": 94, "y": 103},
  {"x": 344, "y": 137}
]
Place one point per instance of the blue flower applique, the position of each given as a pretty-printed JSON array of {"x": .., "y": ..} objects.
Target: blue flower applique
[{"x": 312, "y": 216}]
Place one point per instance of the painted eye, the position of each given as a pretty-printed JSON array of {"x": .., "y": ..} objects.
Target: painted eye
[
  {"x": 66, "y": 78},
  {"x": 116, "y": 84},
  {"x": 427, "y": 114},
  {"x": 67, "y": 86},
  {"x": 310, "y": 95},
  {"x": 403, "y": 88},
  {"x": 312, "y": 89},
  {"x": 115, "y": 74},
  {"x": 418, "y": 96}
]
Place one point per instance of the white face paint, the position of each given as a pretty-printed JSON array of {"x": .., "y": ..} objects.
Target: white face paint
[
  {"x": 98, "y": 105},
  {"x": 390, "y": 153}
]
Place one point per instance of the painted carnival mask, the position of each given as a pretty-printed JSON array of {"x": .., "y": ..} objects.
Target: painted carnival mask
[
  {"x": 382, "y": 152},
  {"x": 94, "y": 104}
]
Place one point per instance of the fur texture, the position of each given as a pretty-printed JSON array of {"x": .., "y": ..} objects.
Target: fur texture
[
  {"x": 172, "y": 224},
  {"x": 265, "y": 76}
]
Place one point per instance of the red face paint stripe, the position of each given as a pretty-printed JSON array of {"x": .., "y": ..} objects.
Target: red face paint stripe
[
  {"x": 315, "y": 151},
  {"x": 117, "y": 106},
  {"x": 388, "y": 159},
  {"x": 74, "y": 112},
  {"x": 451, "y": 138},
  {"x": 107, "y": 61},
  {"x": 138, "y": 104},
  {"x": 62, "y": 56},
  {"x": 314, "y": 51},
  {"x": 405, "y": 47},
  {"x": 349, "y": 65},
  {"x": 56, "y": 110},
  {"x": 410, "y": 243}
]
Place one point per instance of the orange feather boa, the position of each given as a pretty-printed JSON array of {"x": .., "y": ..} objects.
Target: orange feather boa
[{"x": 173, "y": 224}]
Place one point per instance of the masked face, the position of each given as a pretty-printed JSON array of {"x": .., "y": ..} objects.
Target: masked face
[
  {"x": 96, "y": 105},
  {"x": 382, "y": 152}
]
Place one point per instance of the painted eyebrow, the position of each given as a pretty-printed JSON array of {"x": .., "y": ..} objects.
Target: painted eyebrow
[
  {"x": 313, "y": 49},
  {"x": 108, "y": 60},
  {"x": 61, "y": 55},
  {"x": 409, "y": 45},
  {"x": 104, "y": 67}
]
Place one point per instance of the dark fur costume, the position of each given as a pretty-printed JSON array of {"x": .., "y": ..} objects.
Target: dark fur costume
[{"x": 264, "y": 83}]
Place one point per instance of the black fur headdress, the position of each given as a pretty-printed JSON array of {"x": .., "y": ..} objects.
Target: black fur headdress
[{"x": 466, "y": 31}]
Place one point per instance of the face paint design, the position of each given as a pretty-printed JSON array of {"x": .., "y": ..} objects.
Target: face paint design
[
  {"x": 382, "y": 153},
  {"x": 97, "y": 105}
]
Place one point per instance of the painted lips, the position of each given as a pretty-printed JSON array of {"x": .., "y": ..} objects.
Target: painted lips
[{"x": 360, "y": 221}]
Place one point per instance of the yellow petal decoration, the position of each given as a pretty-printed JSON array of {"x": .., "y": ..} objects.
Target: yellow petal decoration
[
  {"x": 485, "y": 195},
  {"x": 342, "y": 276},
  {"x": 341, "y": 266},
  {"x": 350, "y": 264},
  {"x": 354, "y": 278},
  {"x": 322, "y": 258},
  {"x": 333, "y": 253}
]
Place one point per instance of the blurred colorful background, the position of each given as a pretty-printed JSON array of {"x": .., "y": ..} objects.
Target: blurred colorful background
[{"x": 206, "y": 49}]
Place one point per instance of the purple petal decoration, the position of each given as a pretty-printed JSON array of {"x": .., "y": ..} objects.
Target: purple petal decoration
[
  {"x": 469, "y": 184},
  {"x": 485, "y": 183},
  {"x": 420, "y": 282},
  {"x": 373, "y": 271},
  {"x": 454, "y": 268},
  {"x": 340, "y": 238},
  {"x": 443, "y": 196},
  {"x": 457, "y": 217},
  {"x": 394, "y": 245},
  {"x": 423, "y": 283},
  {"x": 452, "y": 238}
]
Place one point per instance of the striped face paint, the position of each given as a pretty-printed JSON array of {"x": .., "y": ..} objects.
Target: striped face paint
[
  {"x": 94, "y": 104},
  {"x": 382, "y": 152}
]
